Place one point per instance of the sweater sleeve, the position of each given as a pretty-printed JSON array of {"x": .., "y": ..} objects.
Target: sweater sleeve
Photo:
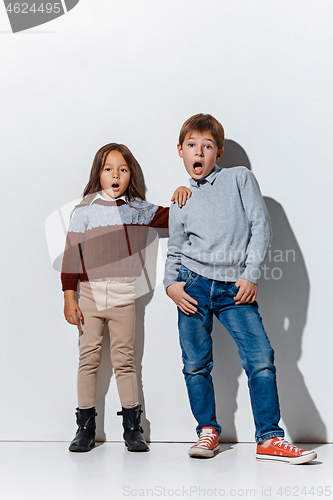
[
  {"x": 256, "y": 211},
  {"x": 72, "y": 263},
  {"x": 161, "y": 218},
  {"x": 177, "y": 237}
]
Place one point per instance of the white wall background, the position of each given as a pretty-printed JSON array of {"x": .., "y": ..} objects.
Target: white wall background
[{"x": 132, "y": 72}]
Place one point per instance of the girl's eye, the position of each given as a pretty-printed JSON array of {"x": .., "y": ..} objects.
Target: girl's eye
[
  {"x": 107, "y": 169},
  {"x": 124, "y": 169}
]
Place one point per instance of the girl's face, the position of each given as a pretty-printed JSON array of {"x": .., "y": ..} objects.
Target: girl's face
[{"x": 115, "y": 176}]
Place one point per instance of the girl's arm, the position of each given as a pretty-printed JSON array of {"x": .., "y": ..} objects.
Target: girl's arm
[
  {"x": 180, "y": 196},
  {"x": 72, "y": 311},
  {"x": 72, "y": 262},
  {"x": 161, "y": 217},
  {"x": 73, "y": 265}
]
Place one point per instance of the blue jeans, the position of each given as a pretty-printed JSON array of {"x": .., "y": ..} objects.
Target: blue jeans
[{"x": 244, "y": 324}]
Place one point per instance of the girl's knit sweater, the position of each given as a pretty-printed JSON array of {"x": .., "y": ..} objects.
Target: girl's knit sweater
[{"x": 108, "y": 239}]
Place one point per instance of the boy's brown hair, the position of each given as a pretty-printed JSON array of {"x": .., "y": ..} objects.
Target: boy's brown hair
[{"x": 203, "y": 123}]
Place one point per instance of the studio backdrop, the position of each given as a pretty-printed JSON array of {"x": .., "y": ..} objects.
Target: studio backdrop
[{"x": 132, "y": 72}]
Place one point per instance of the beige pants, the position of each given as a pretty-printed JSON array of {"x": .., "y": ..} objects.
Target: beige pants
[{"x": 112, "y": 301}]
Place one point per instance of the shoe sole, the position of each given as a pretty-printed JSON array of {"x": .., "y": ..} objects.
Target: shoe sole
[
  {"x": 137, "y": 448},
  {"x": 81, "y": 449},
  {"x": 303, "y": 459},
  {"x": 202, "y": 452}
]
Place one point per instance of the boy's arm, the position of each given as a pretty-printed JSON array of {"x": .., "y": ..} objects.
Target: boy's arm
[
  {"x": 257, "y": 248},
  {"x": 175, "y": 288},
  {"x": 177, "y": 238},
  {"x": 261, "y": 235}
]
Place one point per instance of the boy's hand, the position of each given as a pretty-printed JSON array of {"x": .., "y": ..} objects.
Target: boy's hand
[
  {"x": 247, "y": 292},
  {"x": 181, "y": 298},
  {"x": 181, "y": 195},
  {"x": 71, "y": 309}
]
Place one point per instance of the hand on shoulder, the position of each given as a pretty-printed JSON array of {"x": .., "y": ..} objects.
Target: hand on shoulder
[{"x": 181, "y": 195}]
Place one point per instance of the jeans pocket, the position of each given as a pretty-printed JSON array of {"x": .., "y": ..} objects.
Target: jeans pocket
[
  {"x": 188, "y": 276},
  {"x": 234, "y": 289},
  {"x": 183, "y": 273},
  {"x": 192, "y": 278}
]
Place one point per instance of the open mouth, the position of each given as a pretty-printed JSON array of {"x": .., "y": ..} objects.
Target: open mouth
[
  {"x": 115, "y": 186},
  {"x": 197, "y": 167}
]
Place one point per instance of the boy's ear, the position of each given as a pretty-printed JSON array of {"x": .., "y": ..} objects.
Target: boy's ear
[
  {"x": 219, "y": 154},
  {"x": 180, "y": 151}
]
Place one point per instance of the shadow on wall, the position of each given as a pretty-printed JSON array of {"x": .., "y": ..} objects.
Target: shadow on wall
[{"x": 283, "y": 298}]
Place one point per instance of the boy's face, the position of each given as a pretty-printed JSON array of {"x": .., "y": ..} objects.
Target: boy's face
[{"x": 200, "y": 153}]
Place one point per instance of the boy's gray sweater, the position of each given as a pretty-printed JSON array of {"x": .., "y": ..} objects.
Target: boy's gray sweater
[{"x": 223, "y": 232}]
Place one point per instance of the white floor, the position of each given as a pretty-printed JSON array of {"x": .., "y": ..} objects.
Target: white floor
[{"x": 47, "y": 471}]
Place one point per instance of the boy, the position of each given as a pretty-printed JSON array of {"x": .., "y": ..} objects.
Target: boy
[{"x": 217, "y": 246}]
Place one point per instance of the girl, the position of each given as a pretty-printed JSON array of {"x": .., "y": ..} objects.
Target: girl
[{"x": 105, "y": 250}]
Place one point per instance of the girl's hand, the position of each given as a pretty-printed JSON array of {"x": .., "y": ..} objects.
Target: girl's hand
[
  {"x": 181, "y": 195},
  {"x": 72, "y": 311}
]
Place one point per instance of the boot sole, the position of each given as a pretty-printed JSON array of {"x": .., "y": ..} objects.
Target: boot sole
[
  {"x": 137, "y": 448},
  {"x": 81, "y": 449}
]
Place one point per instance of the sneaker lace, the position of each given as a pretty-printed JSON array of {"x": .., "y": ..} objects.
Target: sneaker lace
[
  {"x": 205, "y": 440},
  {"x": 281, "y": 442}
]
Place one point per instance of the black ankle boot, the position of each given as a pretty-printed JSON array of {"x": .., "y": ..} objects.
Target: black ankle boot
[
  {"x": 85, "y": 434},
  {"x": 133, "y": 432}
]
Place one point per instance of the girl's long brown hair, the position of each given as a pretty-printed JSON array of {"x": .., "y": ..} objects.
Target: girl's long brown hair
[{"x": 94, "y": 185}]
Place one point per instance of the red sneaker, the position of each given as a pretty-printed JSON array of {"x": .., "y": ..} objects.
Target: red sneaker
[
  {"x": 280, "y": 450},
  {"x": 207, "y": 445}
]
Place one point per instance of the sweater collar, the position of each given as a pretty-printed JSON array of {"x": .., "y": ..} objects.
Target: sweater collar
[
  {"x": 209, "y": 178},
  {"x": 99, "y": 197}
]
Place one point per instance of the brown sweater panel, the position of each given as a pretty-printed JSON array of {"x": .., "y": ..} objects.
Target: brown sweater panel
[{"x": 108, "y": 251}]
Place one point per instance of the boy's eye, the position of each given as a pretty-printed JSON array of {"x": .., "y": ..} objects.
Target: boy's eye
[
  {"x": 190, "y": 145},
  {"x": 208, "y": 146}
]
